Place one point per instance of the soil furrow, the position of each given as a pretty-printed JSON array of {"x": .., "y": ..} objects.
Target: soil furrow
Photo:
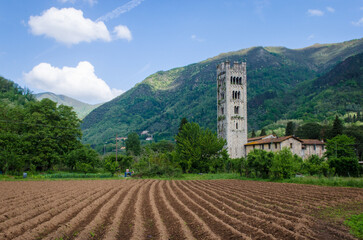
[
  {"x": 161, "y": 228},
  {"x": 270, "y": 227},
  {"x": 200, "y": 229},
  {"x": 173, "y": 222},
  {"x": 33, "y": 212},
  {"x": 218, "y": 223},
  {"x": 150, "y": 223},
  {"x": 111, "y": 230},
  {"x": 97, "y": 225},
  {"x": 12, "y": 209},
  {"x": 127, "y": 223},
  {"x": 81, "y": 219},
  {"x": 34, "y": 226}
]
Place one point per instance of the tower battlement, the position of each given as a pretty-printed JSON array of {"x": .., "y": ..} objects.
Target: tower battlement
[{"x": 225, "y": 66}]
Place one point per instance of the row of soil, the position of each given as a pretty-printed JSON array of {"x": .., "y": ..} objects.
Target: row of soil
[{"x": 154, "y": 209}]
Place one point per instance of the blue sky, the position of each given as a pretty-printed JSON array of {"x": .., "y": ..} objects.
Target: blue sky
[{"x": 93, "y": 50}]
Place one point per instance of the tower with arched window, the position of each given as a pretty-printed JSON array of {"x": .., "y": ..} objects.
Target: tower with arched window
[{"x": 232, "y": 106}]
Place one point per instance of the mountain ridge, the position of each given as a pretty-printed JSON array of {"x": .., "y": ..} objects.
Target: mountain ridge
[
  {"x": 81, "y": 108},
  {"x": 159, "y": 102}
]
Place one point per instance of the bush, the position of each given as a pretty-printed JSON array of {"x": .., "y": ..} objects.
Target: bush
[
  {"x": 285, "y": 164},
  {"x": 355, "y": 222},
  {"x": 111, "y": 165},
  {"x": 316, "y": 166}
]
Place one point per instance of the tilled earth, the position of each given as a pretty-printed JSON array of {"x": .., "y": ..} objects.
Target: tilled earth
[{"x": 155, "y": 209}]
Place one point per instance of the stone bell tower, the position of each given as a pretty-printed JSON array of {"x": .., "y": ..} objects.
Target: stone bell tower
[{"x": 232, "y": 106}]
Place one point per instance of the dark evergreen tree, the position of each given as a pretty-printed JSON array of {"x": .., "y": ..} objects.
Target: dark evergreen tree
[
  {"x": 289, "y": 129},
  {"x": 182, "y": 122},
  {"x": 253, "y": 133},
  {"x": 263, "y": 132},
  {"x": 359, "y": 116},
  {"x": 310, "y": 131},
  {"x": 354, "y": 118},
  {"x": 337, "y": 128}
]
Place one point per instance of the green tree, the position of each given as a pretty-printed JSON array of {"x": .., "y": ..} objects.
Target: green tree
[
  {"x": 337, "y": 128},
  {"x": 183, "y": 121},
  {"x": 197, "y": 148},
  {"x": 341, "y": 155},
  {"x": 83, "y": 154},
  {"x": 260, "y": 161},
  {"x": 284, "y": 164},
  {"x": 316, "y": 166},
  {"x": 290, "y": 127},
  {"x": 110, "y": 164},
  {"x": 310, "y": 131},
  {"x": 263, "y": 132},
  {"x": 253, "y": 133},
  {"x": 133, "y": 144}
]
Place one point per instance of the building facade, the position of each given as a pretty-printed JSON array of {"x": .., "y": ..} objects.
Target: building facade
[
  {"x": 232, "y": 106},
  {"x": 301, "y": 147}
]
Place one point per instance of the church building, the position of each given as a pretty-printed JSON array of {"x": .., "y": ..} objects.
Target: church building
[{"x": 232, "y": 118}]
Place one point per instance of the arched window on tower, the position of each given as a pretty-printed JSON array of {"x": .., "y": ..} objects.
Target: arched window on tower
[
  {"x": 236, "y": 125},
  {"x": 234, "y": 80},
  {"x": 231, "y": 79},
  {"x": 236, "y": 109},
  {"x": 240, "y": 81},
  {"x": 232, "y": 94},
  {"x": 239, "y": 95}
]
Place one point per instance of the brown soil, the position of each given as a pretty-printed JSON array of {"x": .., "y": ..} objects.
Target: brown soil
[{"x": 154, "y": 209}]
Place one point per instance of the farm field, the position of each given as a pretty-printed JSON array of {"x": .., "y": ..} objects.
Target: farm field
[{"x": 161, "y": 209}]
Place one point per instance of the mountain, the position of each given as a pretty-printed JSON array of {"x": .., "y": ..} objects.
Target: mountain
[
  {"x": 276, "y": 77},
  {"x": 81, "y": 108}
]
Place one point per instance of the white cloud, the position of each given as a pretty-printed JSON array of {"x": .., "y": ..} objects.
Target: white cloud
[
  {"x": 315, "y": 12},
  {"x": 78, "y": 82},
  {"x": 311, "y": 36},
  {"x": 195, "y": 38},
  {"x": 122, "y": 32},
  {"x": 358, "y": 23},
  {"x": 330, "y": 9},
  {"x": 120, "y": 10},
  {"x": 67, "y": 25}
]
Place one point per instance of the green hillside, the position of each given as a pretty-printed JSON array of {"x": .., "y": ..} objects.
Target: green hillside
[
  {"x": 273, "y": 73},
  {"x": 81, "y": 108}
]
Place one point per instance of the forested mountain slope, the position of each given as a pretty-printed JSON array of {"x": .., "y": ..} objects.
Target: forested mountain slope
[{"x": 273, "y": 73}]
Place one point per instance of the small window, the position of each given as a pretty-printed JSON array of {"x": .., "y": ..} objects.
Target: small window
[
  {"x": 262, "y": 147},
  {"x": 231, "y": 80},
  {"x": 236, "y": 125},
  {"x": 222, "y": 110},
  {"x": 275, "y": 145},
  {"x": 269, "y": 146},
  {"x": 236, "y": 109},
  {"x": 253, "y": 146},
  {"x": 322, "y": 147},
  {"x": 290, "y": 145},
  {"x": 314, "y": 147}
]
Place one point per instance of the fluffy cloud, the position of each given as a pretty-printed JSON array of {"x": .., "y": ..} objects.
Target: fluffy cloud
[
  {"x": 315, "y": 12},
  {"x": 68, "y": 26},
  {"x": 80, "y": 82},
  {"x": 358, "y": 23},
  {"x": 122, "y": 32},
  {"x": 330, "y": 9}
]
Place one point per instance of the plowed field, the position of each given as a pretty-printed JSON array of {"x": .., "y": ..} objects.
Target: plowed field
[{"x": 154, "y": 209}]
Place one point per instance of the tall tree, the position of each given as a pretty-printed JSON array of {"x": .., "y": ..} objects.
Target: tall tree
[
  {"x": 183, "y": 121},
  {"x": 290, "y": 127},
  {"x": 253, "y": 133},
  {"x": 133, "y": 144},
  {"x": 263, "y": 132},
  {"x": 310, "y": 131},
  {"x": 341, "y": 155},
  {"x": 337, "y": 128},
  {"x": 198, "y": 149}
]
